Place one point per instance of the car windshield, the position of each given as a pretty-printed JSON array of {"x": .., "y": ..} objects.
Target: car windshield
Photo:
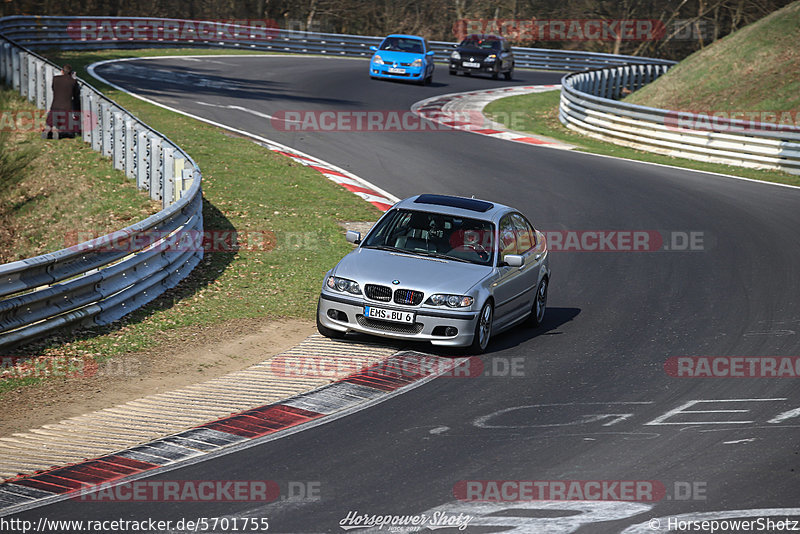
[
  {"x": 402, "y": 44},
  {"x": 434, "y": 234},
  {"x": 483, "y": 44}
]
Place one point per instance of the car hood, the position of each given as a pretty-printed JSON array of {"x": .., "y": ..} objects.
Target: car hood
[
  {"x": 420, "y": 273},
  {"x": 477, "y": 53},
  {"x": 393, "y": 56}
]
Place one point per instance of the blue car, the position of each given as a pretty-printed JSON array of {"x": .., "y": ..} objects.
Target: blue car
[{"x": 402, "y": 57}]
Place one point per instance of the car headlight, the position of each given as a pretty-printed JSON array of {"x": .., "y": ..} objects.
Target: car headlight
[
  {"x": 343, "y": 284},
  {"x": 491, "y": 58},
  {"x": 455, "y": 55},
  {"x": 452, "y": 301},
  {"x": 416, "y": 63},
  {"x": 377, "y": 60}
]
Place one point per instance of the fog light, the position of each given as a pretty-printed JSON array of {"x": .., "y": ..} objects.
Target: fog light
[{"x": 450, "y": 331}]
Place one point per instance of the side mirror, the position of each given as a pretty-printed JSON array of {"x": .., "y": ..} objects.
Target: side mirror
[
  {"x": 373, "y": 48},
  {"x": 353, "y": 237},
  {"x": 430, "y": 53},
  {"x": 514, "y": 260}
]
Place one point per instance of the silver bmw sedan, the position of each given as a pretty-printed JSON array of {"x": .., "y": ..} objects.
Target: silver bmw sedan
[{"x": 450, "y": 270}]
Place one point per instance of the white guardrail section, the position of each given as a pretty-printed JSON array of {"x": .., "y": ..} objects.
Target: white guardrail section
[
  {"x": 590, "y": 105},
  {"x": 99, "y": 281}
]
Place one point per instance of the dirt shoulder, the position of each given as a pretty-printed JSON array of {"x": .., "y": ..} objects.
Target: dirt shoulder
[{"x": 186, "y": 356}]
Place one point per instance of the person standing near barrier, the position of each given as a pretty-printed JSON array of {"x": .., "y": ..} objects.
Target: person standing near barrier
[{"x": 63, "y": 119}]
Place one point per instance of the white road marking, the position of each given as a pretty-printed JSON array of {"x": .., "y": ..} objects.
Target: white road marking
[
  {"x": 439, "y": 430},
  {"x": 785, "y": 415},
  {"x": 734, "y": 442},
  {"x": 660, "y": 420},
  {"x": 482, "y": 421}
]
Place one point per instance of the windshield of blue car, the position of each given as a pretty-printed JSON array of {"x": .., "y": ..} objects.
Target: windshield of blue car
[
  {"x": 434, "y": 234},
  {"x": 401, "y": 44},
  {"x": 481, "y": 44}
]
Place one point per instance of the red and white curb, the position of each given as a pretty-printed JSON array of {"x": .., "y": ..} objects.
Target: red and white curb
[
  {"x": 375, "y": 196},
  {"x": 251, "y": 427},
  {"x": 464, "y": 111}
]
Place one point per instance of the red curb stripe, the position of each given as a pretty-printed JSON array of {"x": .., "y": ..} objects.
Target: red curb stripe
[
  {"x": 262, "y": 421},
  {"x": 136, "y": 465},
  {"x": 44, "y": 486},
  {"x": 381, "y": 206},
  {"x": 487, "y": 131},
  {"x": 325, "y": 170},
  {"x": 531, "y": 140},
  {"x": 75, "y": 475},
  {"x": 67, "y": 483},
  {"x": 295, "y": 156},
  {"x": 359, "y": 189}
]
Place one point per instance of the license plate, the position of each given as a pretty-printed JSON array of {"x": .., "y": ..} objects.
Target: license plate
[
  {"x": 389, "y": 315},
  {"x": 393, "y": 70},
  {"x": 471, "y": 65}
]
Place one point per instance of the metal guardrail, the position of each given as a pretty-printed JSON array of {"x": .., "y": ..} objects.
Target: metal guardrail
[
  {"x": 110, "y": 32},
  {"x": 99, "y": 281},
  {"x": 590, "y": 105}
]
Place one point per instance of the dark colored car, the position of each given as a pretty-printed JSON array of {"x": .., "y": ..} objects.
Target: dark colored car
[{"x": 483, "y": 54}]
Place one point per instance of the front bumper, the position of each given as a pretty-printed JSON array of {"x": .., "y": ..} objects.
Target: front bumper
[
  {"x": 485, "y": 68},
  {"x": 346, "y": 314},
  {"x": 382, "y": 71}
]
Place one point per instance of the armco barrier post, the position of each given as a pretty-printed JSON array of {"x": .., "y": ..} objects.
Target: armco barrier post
[
  {"x": 88, "y": 119},
  {"x": 15, "y": 69},
  {"x": 108, "y": 129},
  {"x": 118, "y": 143},
  {"x": 168, "y": 179},
  {"x": 155, "y": 164},
  {"x": 142, "y": 160},
  {"x": 97, "y": 118},
  {"x": 129, "y": 157}
]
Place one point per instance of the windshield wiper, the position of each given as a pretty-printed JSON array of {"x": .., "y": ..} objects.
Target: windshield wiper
[
  {"x": 440, "y": 256},
  {"x": 389, "y": 249}
]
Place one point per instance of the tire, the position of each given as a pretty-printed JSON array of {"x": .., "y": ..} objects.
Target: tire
[
  {"x": 328, "y": 332},
  {"x": 483, "y": 329},
  {"x": 539, "y": 303},
  {"x": 495, "y": 74},
  {"x": 453, "y": 73},
  {"x": 510, "y": 74}
]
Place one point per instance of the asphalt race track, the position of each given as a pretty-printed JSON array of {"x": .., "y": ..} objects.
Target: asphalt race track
[{"x": 589, "y": 399}]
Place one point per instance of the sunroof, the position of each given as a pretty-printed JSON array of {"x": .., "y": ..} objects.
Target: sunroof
[{"x": 455, "y": 202}]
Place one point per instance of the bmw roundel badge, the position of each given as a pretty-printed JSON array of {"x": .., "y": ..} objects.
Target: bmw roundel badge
[{"x": 395, "y": 282}]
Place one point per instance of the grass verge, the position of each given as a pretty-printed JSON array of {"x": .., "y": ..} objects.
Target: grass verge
[
  {"x": 537, "y": 113},
  {"x": 247, "y": 189},
  {"x": 48, "y": 189}
]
